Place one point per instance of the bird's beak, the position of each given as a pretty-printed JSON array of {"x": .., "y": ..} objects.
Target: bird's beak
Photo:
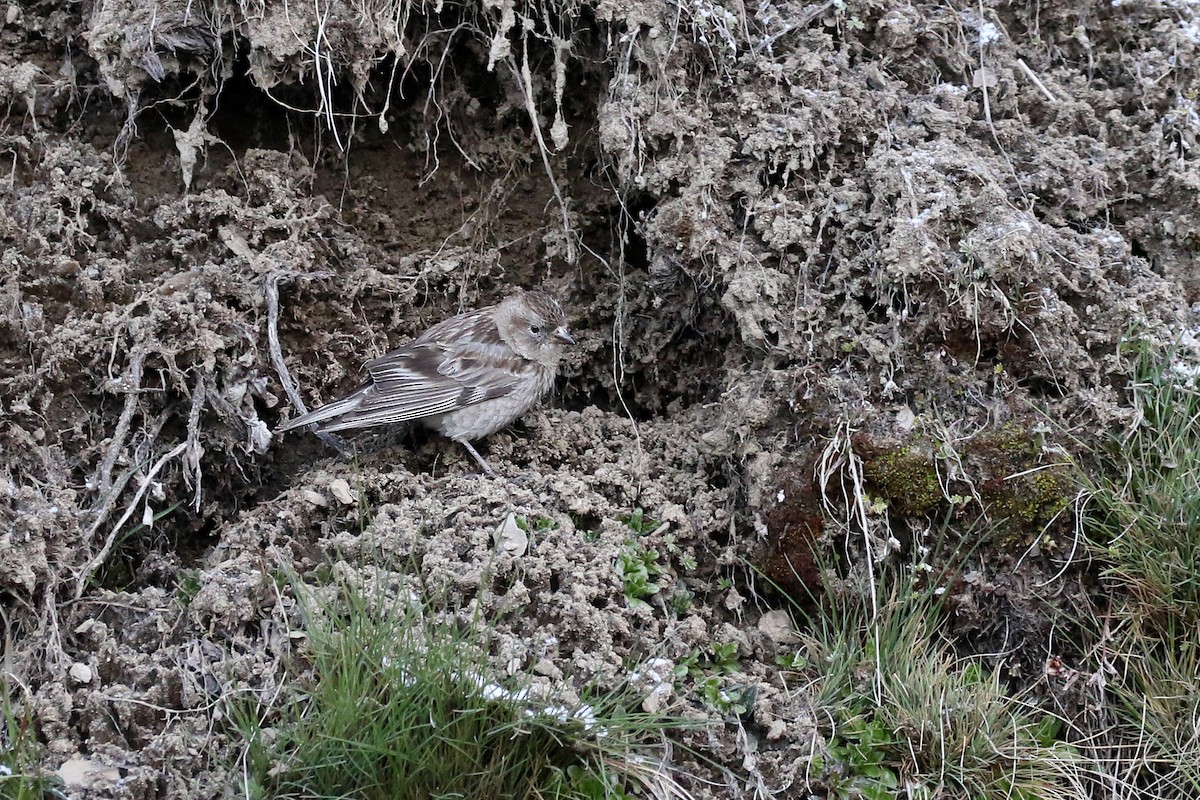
[{"x": 563, "y": 335}]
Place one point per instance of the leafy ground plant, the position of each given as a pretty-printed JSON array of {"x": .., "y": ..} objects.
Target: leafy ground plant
[
  {"x": 639, "y": 569},
  {"x": 637, "y": 564},
  {"x": 402, "y": 705},
  {"x": 1143, "y": 521}
]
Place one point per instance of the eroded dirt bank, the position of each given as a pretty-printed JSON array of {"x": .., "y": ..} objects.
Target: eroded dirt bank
[{"x": 907, "y": 237}]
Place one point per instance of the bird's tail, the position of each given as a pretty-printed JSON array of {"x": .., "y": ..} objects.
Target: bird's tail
[{"x": 331, "y": 411}]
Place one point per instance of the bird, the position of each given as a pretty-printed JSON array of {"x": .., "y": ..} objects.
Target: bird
[{"x": 466, "y": 377}]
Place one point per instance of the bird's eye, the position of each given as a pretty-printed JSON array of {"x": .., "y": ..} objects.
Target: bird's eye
[{"x": 535, "y": 329}]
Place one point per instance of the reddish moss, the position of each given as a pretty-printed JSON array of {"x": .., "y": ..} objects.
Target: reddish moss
[{"x": 794, "y": 524}]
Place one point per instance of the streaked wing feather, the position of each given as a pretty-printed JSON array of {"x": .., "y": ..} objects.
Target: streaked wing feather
[
  {"x": 426, "y": 378},
  {"x": 386, "y": 409}
]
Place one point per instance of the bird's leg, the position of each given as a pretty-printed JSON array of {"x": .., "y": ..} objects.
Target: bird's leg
[
  {"x": 336, "y": 442},
  {"x": 478, "y": 458}
]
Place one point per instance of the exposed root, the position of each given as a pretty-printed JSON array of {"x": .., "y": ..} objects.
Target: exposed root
[
  {"x": 85, "y": 575},
  {"x": 193, "y": 451},
  {"x": 524, "y": 79},
  {"x": 131, "y": 382},
  {"x": 1029, "y": 73},
  {"x": 271, "y": 294}
]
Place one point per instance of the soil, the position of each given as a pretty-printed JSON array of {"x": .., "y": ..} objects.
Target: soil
[{"x": 790, "y": 238}]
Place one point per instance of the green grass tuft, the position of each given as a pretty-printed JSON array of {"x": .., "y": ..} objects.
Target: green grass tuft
[
  {"x": 905, "y": 716},
  {"x": 1143, "y": 521},
  {"x": 1144, "y": 510},
  {"x": 906, "y": 713},
  {"x": 405, "y": 706}
]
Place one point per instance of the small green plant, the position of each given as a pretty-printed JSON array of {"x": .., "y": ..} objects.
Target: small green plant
[
  {"x": 851, "y": 22},
  {"x": 681, "y": 600},
  {"x": 686, "y": 559},
  {"x": 538, "y": 525},
  {"x": 641, "y": 524},
  {"x": 731, "y": 701},
  {"x": 188, "y": 587},
  {"x": 403, "y": 706},
  {"x": 791, "y": 660},
  {"x": 705, "y": 673},
  {"x": 724, "y": 657},
  {"x": 686, "y": 667},
  {"x": 282, "y": 578},
  {"x": 585, "y": 783},
  {"x": 721, "y": 658},
  {"x": 638, "y": 567},
  {"x": 19, "y": 755},
  {"x": 856, "y": 765},
  {"x": 321, "y": 574}
]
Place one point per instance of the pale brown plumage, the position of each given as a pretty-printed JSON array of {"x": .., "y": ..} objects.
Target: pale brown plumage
[{"x": 466, "y": 377}]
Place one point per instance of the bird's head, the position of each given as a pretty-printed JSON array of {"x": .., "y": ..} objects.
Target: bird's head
[{"x": 534, "y": 325}]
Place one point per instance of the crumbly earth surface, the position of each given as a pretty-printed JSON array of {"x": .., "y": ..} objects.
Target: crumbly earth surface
[{"x": 797, "y": 243}]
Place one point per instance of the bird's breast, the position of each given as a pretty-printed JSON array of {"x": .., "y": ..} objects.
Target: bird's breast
[{"x": 485, "y": 418}]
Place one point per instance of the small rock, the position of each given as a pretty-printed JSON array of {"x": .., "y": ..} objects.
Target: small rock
[
  {"x": 509, "y": 537},
  {"x": 657, "y": 698},
  {"x": 82, "y": 773},
  {"x": 734, "y": 600},
  {"x": 340, "y": 488},
  {"x": 547, "y": 668},
  {"x": 777, "y": 625},
  {"x": 81, "y": 673},
  {"x": 314, "y": 497},
  {"x": 776, "y": 730}
]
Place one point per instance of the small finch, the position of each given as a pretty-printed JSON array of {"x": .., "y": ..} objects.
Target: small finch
[{"x": 466, "y": 377}]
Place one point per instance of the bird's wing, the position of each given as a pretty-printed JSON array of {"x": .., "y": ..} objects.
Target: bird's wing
[{"x": 425, "y": 378}]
